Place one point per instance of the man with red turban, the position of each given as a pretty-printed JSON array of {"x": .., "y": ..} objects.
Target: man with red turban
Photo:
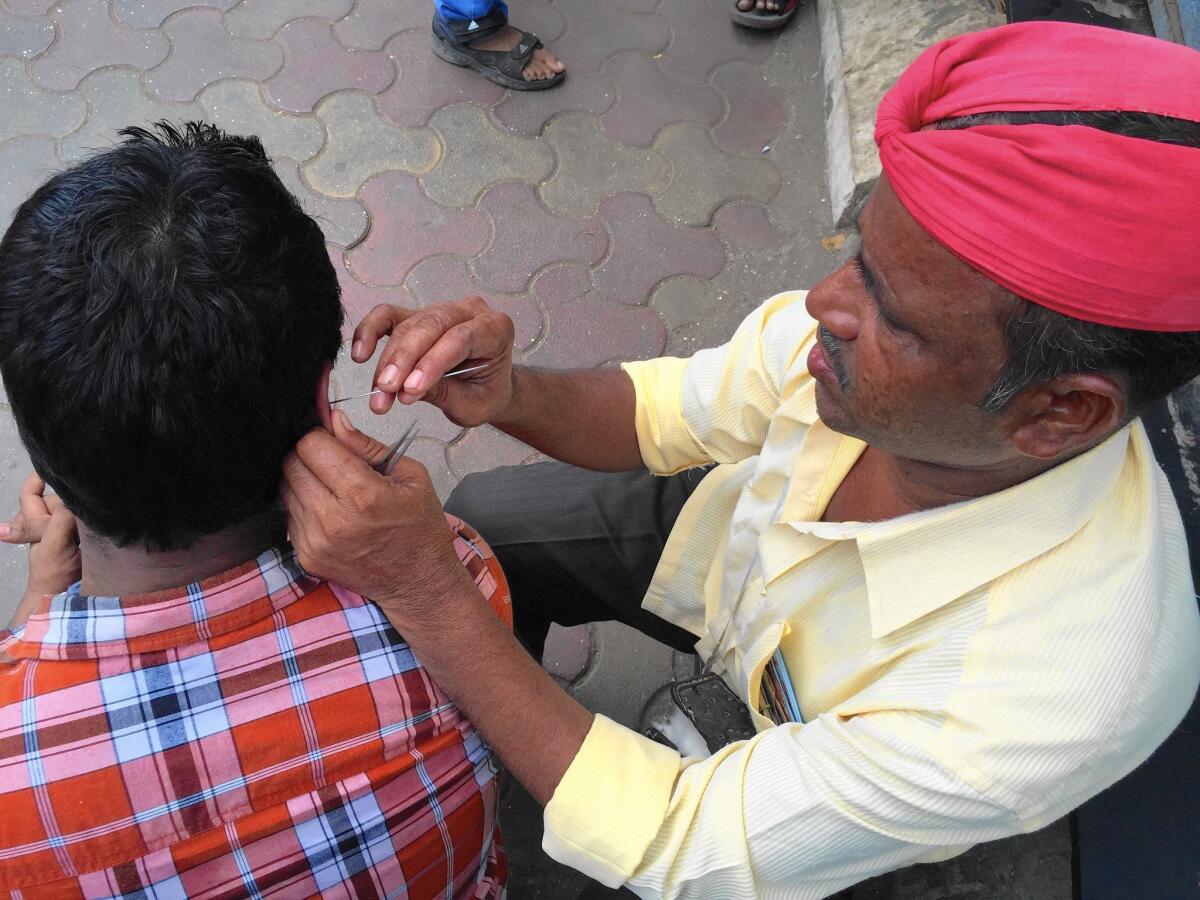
[{"x": 911, "y": 517}]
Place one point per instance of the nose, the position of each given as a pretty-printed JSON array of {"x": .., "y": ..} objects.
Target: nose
[{"x": 834, "y": 302}]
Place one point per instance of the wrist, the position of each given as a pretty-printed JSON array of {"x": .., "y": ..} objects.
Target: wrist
[{"x": 510, "y": 414}]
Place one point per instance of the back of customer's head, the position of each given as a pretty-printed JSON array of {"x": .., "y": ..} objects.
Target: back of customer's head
[{"x": 166, "y": 311}]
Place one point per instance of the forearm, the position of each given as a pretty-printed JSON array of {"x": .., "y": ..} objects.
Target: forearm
[
  {"x": 584, "y": 417},
  {"x": 531, "y": 723}
]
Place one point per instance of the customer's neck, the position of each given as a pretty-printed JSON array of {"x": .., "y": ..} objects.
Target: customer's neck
[{"x": 109, "y": 570}]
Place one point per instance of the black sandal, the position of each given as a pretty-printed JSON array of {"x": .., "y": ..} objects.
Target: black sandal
[
  {"x": 766, "y": 19},
  {"x": 502, "y": 67}
]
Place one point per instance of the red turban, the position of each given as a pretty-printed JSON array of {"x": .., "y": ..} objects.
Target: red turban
[{"x": 1094, "y": 225}]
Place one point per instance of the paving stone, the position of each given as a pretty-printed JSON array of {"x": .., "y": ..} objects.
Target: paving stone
[
  {"x": 315, "y": 64},
  {"x": 476, "y": 154},
  {"x": 645, "y": 250},
  {"x": 647, "y": 100},
  {"x": 704, "y": 38},
  {"x": 24, "y": 37},
  {"x": 28, "y": 110},
  {"x": 426, "y": 83},
  {"x": 406, "y": 227},
  {"x": 705, "y": 178},
  {"x": 747, "y": 224},
  {"x": 88, "y": 39},
  {"x": 756, "y": 113},
  {"x": 432, "y": 455},
  {"x": 595, "y": 31},
  {"x": 202, "y": 52},
  {"x": 152, "y": 13},
  {"x": 343, "y": 221},
  {"x": 28, "y": 7},
  {"x": 542, "y": 17},
  {"x": 485, "y": 448},
  {"x": 238, "y": 107},
  {"x": 260, "y": 19},
  {"x": 358, "y": 299},
  {"x": 26, "y": 162},
  {"x": 583, "y": 329},
  {"x": 568, "y": 651},
  {"x": 372, "y": 23},
  {"x": 638, "y": 6},
  {"x": 527, "y": 238},
  {"x": 590, "y": 167},
  {"x": 685, "y": 301},
  {"x": 527, "y": 112},
  {"x": 363, "y": 143},
  {"x": 116, "y": 100},
  {"x": 439, "y": 278}
]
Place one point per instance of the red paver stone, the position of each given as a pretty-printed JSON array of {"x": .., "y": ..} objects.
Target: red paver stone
[
  {"x": 484, "y": 448},
  {"x": 406, "y": 227},
  {"x": 568, "y": 652},
  {"x": 527, "y": 238},
  {"x": 647, "y": 100},
  {"x": 699, "y": 44},
  {"x": 583, "y": 329},
  {"x": 756, "y": 111},
  {"x": 595, "y": 31},
  {"x": 440, "y": 278},
  {"x": 527, "y": 112},
  {"x": 203, "y": 52},
  {"x": 89, "y": 39},
  {"x": 152, "y": 13},
  {"x": 315, "y": 63},
  {"x": 372, "y": 23},
  {"x": 747, "y": 224},
  {"x": 358, "y": 299},
  {"x": 646, "y": 249},
  {"x": 426, "y": 83}
]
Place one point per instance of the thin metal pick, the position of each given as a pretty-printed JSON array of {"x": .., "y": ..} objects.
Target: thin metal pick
[
  {"x": 449, "y": 374},
  {"x": 398, "y": 449}
]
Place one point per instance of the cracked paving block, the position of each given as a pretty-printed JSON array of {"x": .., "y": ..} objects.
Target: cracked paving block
[
  {"x": 262, "y": 18},
  {"x": 24, "y": 37},
  {"x": 747, "y": 224},
  {"x": 406, "y": 227},
  {"x": 152, "y": 13},
  {"x": 527, "y": 238},
  {"x": 27, "y": 110},
  {"x": 647, "y": 100},
  {"x": 590, "y": 167},
  {"x": 595, "y": 31},
  {"x": 238, "y": 107},
  {"x": 89, "y": 39},
  {"x": 363, "y": 143},
  {"x": 316, "y": 64},
  {"x": 358, "y": 299},
  {"x": 26, "y": 163},
  {"x": 705, "y": 178},
  {"x": 426, "y": 83},
  {"x": 485, "y": 448},
  {"x": 372, "y": 23},
  {"x": 202, "y": 52},
  {"x": 527, "y": 112},
  {"x": 756, "y": 111},
  {"x": 476, "y": 154},
  {"x": 440, "y": 278},
  {"x": 343, "y": 221},
  {"x": 116, "y": 100},
  {"x": 702, "y": 39},
  {"x": 645, "y": 250}
]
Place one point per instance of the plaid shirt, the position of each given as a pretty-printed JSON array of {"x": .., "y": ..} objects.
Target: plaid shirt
[{"x": 260, "y": 733}]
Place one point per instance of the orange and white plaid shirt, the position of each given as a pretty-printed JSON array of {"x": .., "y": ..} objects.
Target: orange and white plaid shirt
[{"x": 260, "y": 733}]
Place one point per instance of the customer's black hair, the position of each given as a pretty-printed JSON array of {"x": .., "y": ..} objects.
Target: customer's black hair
[
  {"x": 1044, "y": 344},
  {"x": 166, "y": 308}
]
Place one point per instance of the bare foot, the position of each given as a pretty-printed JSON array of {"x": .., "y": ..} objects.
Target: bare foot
[
  {"x": 542, "y": 65},
  {"x": 762, "y": 5}
]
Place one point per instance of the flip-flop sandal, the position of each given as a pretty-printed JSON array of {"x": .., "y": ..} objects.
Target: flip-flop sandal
[
  {"x": 502, "y": 67},
  {"x": 765, "y": 20}
]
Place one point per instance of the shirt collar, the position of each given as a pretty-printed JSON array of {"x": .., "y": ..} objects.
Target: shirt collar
[{"x": 76, "y": 626}]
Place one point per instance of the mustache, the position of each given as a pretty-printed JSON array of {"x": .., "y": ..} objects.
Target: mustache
[{"x": 833, "y": 352}]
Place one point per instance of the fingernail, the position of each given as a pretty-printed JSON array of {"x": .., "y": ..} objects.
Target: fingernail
[
  {"x": 390, "y": 374},
  {"x": 414, "y": 381},
  {"x": 4, "y": 530},
  {"x": 343, "y": 420},
  {"x": 356, "y": 349}
]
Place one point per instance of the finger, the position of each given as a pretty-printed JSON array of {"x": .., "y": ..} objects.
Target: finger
[
  {"x": 339, "y": 472},
  {"x": 30, "y": 500},
  {"x": 460, "y": 343},
  {"x": 307, "y": 487},
  {"x": 413, "y": 338},
  {"x": 378, "y": 322},
  {"x": 62, "y": 535},
  {"x": 360, "y": 444},
  {"x": 53, "y": 503},
  {"x": 23, "y": 530}
]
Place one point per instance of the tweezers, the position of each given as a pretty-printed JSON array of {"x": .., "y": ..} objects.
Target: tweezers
[
  {"x": 451, "y": 374},
  {"x": 398, "y": 449}
]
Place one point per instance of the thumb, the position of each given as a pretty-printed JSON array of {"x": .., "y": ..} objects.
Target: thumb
[
  {"x": 24, "y": 529},
  {"x": 357, "y": 442}
]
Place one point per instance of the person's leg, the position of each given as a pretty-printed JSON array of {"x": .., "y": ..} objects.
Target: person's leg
[
  {"x": 576, "y": 546},
  {"x": 542, "y": 65}
]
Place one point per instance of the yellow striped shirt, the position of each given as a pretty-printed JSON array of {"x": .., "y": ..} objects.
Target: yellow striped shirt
[{"x": 964, "y": 673}]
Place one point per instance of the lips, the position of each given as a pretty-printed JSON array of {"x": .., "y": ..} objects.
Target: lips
[{"x": 818, "y": 364}]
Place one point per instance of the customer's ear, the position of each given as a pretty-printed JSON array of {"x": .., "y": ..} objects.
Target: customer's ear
[{"x": 322, "y": 400}]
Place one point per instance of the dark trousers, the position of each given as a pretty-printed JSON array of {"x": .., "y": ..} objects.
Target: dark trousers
[{"x": 577, "y": 546}]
